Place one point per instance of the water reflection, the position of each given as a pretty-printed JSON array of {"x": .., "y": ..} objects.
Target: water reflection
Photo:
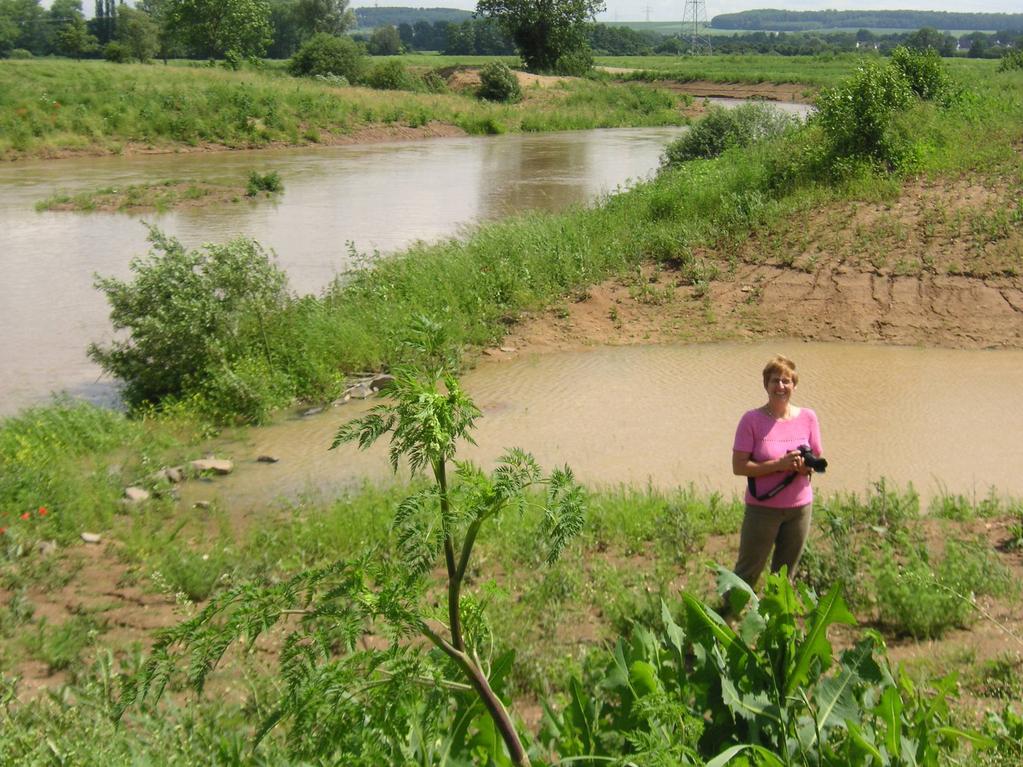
[{"x": 377, "y": 198}]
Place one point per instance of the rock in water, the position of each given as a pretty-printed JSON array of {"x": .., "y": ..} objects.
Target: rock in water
[{"x": 215, "y": 465}]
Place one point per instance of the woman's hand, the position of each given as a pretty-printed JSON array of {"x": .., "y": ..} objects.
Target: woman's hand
[{"x": 793, "y": 461}]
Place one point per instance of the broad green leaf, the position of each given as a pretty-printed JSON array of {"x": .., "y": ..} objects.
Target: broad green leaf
[
  {"x": 863, "y": 740},
  {"x": 676, "y": 636},
  {"x": 704, "y": 620},
  {"x": 769, "y": 759},
  {"x": 890, "y": 711},
  {"x": 749, "y": 706},
  {"x": 835, "y": 700},
  {"x": 583, "y": 711},
  {"x": 739, "y": 593},
  {"x": 643, "y": 678},
  {"x": 831, "y": 609},
  {"x": 975, "y": 738}
]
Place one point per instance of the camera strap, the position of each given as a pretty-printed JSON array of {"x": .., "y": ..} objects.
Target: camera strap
[{"x": 752, "y": 484}]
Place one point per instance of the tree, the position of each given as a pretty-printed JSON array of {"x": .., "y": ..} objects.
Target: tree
[
  {"x": 385, "y": 42},
  {"x": 217, "y": 28},
  {"x": 137, "y": 30},
  {"x": 331, "y": 16},
  {"x": 74, "y": 38},
  {"x": 22, "y": 26},
  {"x": 544, "y": 31}
]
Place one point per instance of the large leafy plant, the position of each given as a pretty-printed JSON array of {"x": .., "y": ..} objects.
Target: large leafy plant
[
  {"x": 770, "y": 691},
  {"x": 371, "y": 672}
]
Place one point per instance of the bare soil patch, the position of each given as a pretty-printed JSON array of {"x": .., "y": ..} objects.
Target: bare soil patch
[
  {"x": 942, "y": 265},
  {"x": 795, "y": 92},
  {"x": 468, "y": 78}
]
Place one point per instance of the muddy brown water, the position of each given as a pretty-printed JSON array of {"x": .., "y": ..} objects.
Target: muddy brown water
[{"x": 947, "y": 421}]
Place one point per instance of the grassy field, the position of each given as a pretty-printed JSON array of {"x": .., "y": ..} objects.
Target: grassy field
[
  {"x": 63, "y": 469},
  {"x": 54, "y": 107},
  {"x": 823, "y": 71}
]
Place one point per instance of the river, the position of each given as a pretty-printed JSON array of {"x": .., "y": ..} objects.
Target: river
[
  {"x": 379, "y": 197},
  {"x": 944, "y": 420}
]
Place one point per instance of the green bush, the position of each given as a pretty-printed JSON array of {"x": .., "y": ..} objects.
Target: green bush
[
  {"x": 19, "y": 53},
  {"x": 190, "y": 316},
  {"x": 769, "y": 691},
  {"x": 858, "y": 115},
  {"x": 434, "y": 82},
  {"x": 577, "y": 63},
  {"x": 116, "y": 53},
  {"x": 391, "y": 75},
  {"x": 926, "y": 73},
  {"x": 498, "y": 83},
  {"x": 264, "y": 182},
  {"x": 724, "y": 128},
  {"x": 1010, "y": 61},
  {"x": 924, "y": 600},
  {"x": 324, "y": 54}
]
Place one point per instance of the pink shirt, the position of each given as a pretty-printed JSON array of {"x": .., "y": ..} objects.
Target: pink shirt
[{"x": 766, "y": 439}]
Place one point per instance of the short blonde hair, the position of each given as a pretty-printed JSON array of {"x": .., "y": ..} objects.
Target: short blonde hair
[{"x": 780, "y": 364}]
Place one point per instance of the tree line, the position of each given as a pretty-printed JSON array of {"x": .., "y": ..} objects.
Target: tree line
[
  {"x": 794, "y": 21},
  {"x": 237, "y": 29}
]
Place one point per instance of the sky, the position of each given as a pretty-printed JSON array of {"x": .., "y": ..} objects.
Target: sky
[{"x": 671, "y": 10}]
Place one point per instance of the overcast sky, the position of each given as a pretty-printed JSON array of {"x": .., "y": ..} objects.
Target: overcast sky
[{"x": 669, "y": 10}]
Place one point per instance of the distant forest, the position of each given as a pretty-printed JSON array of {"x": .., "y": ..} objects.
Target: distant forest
[
  {"x": 371, "y": 18},
  {"x": 804, "y": 21}
]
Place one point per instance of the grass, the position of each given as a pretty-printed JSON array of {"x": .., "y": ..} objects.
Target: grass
[
  {"x": 825, "y": 70},
  {"x": 639, "y": 547},
  {"x": 159, "y": 195},
  {"x": 63, "y": 468},
  {"x": 54, "y": 107}
]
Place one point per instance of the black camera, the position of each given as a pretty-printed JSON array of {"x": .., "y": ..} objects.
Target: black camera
[{"x": 815, "y": 463}]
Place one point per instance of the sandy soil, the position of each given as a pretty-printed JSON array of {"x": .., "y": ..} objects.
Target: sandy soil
[
  {"x": 795, "y": 92},
  {"x": 940, "y": 266}
]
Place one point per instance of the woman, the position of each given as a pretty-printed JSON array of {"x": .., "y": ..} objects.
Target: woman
[{"x": 779, "y": 497}]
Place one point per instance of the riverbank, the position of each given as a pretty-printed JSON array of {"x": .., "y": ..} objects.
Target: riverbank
[
  {"x": 52, "y": 109},
  {"x": 935, "y": 263}
]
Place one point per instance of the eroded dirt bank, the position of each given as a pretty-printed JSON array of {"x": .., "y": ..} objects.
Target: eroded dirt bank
[{"x": 939, "y": 266}]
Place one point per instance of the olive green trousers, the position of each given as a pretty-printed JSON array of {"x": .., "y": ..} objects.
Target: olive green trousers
[{"x": 764, "y": 529}]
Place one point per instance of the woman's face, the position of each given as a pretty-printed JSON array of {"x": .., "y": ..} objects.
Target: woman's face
[{"x": 780, "y": 386}]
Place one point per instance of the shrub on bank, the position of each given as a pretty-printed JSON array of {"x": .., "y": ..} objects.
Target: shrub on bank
[
  {"x": 926, "y": 73},
  {"x": 724, "y": 129},
  {"x": 324, "y": 54},
  {"x": 498, "y": 83},
  {"x": 391, "y": 75},
  {"x": 193, "y": 316},
  {"x": 859, "y": 115}
]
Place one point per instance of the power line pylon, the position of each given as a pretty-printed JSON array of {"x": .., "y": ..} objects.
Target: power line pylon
[{"x": 694, "y": 18}]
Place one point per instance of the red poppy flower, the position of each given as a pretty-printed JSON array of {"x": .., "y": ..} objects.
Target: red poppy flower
[
  {"x": 42, "y": 511},
  {"x": 3, "y": 530},
  {"x": 26, "y": 515}
]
